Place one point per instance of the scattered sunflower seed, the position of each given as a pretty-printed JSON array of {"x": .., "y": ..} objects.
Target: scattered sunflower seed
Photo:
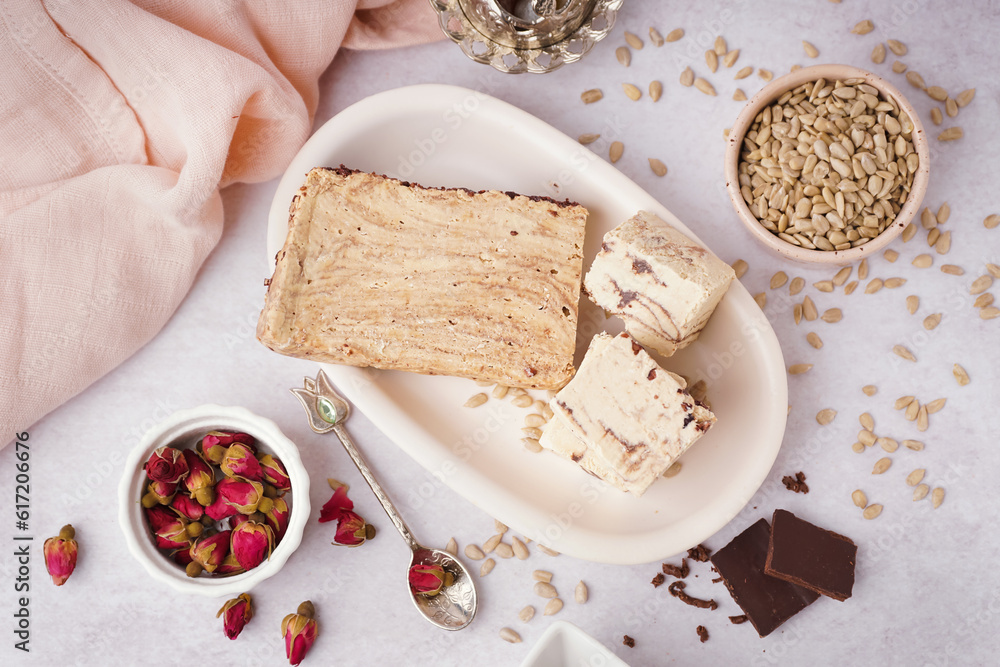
[
  {"x": 765, "y": 74},
  {"x": 932, "y": 236},
  {"x": 658, "y": 167},
  {"x": 655, "y": 90},
  {"x": 520, "y": 548},
  {"x": 500, "y": 391},
  {"x": 863, "y": 269},
  {"x": 675, "y": 34},
  {"x": 743, "y": 73},
  {"x": 983, "y": 300},
  {"x": 615, "y": 151},
  {"x": 476, "y": 400},
  {"x": 487, "y": 567},
  {"x": 542, "y": 575},
  {"x": 624, "y": 55},
  {"x": 814, "y": 340},
  {"x": 936, "y": 116},
  {"x": 632, "y": 91},
  {"x": 532, "y": 445},
  {"x": 591, "y": 96},
  {"x": 504, "y": 550},
  {"x": 951, "y": 134},
  {"x": 472, "y": 552},
  {"x": 943, "y": 244},
  {"x": 863, "y": 27},
  {"x": 952, "y": 270},
  {"x": 920, "y": 492},
  {"x": 964, "y": 97},
  {"x": 912, "y": 410},
  {"x": 866, "y": 437},
  {"x": 937, "y": 93},
  {"x": 810, "y": 50},
  {"x": 498, "y": 525},
  {"x": 951, "y": 108},
  {"x": 991, "y": 221},
  {"x": 859, "y": 498},
  {"x": 730, "y": 58},
  {"x": 490, "y": 545},
  {"x": 581, "y": 594},
  {"x": 824, "y": 285},
  {"x": 867, "y": 421},
  {"x": 553, "y": 607},
  {"x": 832, "y": 315},
  {"x": 544, "y": 589},
  {"x": 872, "y": 511},
  {"x": 797, "y": 313},
  {"x": 937, "y": 497},
  {"x": 687, "y": 77},
  {"x": 979, "y": 285},
  {"x": 587, "y": 139},
  {"x": 672, "y": 471},
  {"x": 869, "y": 390},
  {"x": 740, "y": 268},
  {"x": 902, "y": 351},
  {"x": 922, "y": 419},
  {"x": 452, "y": 547},
  {"x": 932, "y": 321},
  {"x": 739, "y": 95},
  {"x": 858, "y": 447},
  {"x": 850, "y": 287},
  {"x": 704, "y": 86},
  {"x": 809, "y": 309},
  {"x": 841, "y": 276},
  {"x": 993, "y": 270},
  {"x": 898, "y": 67},
  {"x": 522, "y": 401},
  {"x": 887, "y": 444},
  {"x": 526, "y": 614},
  {"x": 915, "y": 445},
  {"x": 874, "y": 286},
  {"x": 825, "y": 416},
  {"x": 509, "y": 635},
  {"x": 779, "y": 279},
  {"x": 878, "y": 54},
  {"x": 915, "y": 80},
  {"x": 961, "y": 376},
  {"x": 893, "y": 283},
  {"x": 989, "y": 313},
  {"x": 796, "y": 285},
  {"x": 915, "y": 477},
  {"x": 712, "y": 60},
  {"x": 923, "y": 261},
  {"x": 912, "y": 303},
  {"x": 761, "y": 299},
  {"x": 799, "y": 369},
  {"x": 545, "y": 550},
  {"x": 902, "y": 402},
  {"x": 633, "y": 40},
  {"x": 908, "y": 232}
]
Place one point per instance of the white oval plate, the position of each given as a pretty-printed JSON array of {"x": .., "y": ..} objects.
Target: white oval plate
[{"x": 441, "y": 135}]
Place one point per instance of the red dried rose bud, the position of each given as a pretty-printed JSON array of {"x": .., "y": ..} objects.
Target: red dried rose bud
[
  {"x": 251, "y": 543},
  {"x": 229, "y": 566},
  {"x": 211, "y": 550},
  {"x": 336, "y": 505},
  {"x": 159, "y": 516},
  {"x": 236, "y": 613},
  {"x": 219, "y": 509},
  {"x": 166, "y": 464},
  {"x": 181, "y": 556},
  {"x": 237, "y": 519},
  {"x": 60, "y": 555},
  {"x": 200, "y": 475},
  {"x": 187, "y": 508},
  {"x": 174, "y": 534},
  {"x": 277, "y": 518},
  {"x": 275, "y": 473},
  {"x": 240, "y": 461},
  {"x": 244, "y": 495},
  {"x": 162, "y": 492},
  {"x": 299, "y": 630},
  {"x": 429, "y": 578},
  {"x": 215, "y": 443},
  {"x": 352, "y": 530}
]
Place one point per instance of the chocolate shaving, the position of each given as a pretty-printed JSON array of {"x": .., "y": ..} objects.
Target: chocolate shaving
[
  {"x": 716, "y": 580},
  {"x": 636, "y": 348},
  {"x": 628, "y": 641},
  {"x": 700, "y": 553},
  {"x": 796, "y": 483},
  {"x": 652, "y": 374},
  {"x": 677, "y": 590},
  {"x": 702, "y": 633},
  {"x": 736, "y": 620},
  {"x": 658, "y": 580},
  {"x": 674, "y": 571}
]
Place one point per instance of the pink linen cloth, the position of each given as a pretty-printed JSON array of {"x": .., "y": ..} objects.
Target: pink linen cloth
[{"x": 119, "y": 123}]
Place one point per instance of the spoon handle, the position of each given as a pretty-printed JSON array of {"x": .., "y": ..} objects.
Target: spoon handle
[{"x": 366, "y": 472}]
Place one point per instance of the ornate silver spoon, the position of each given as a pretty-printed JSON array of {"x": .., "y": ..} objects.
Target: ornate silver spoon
[{"x": 455, "y": 606}]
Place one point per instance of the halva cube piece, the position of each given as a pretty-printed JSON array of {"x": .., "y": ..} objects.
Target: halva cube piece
[
  {"x": 661, "y": 283},
  {"x": 622, "y": 417}
]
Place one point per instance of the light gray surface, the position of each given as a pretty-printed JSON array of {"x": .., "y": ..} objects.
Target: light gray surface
[{"x": 926, "y": 591}]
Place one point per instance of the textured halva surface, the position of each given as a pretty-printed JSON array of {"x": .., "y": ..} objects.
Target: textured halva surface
[
  {"x": 662, "y": 284},
  {"x": 622, "y": 417},
  {"x": 378, "y": 272}
]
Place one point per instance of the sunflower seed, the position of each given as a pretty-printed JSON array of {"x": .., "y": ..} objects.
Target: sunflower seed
[
  {"x": 522, "y": 401},
  {"x": 881, "y": 465},
  {"x": 730, "y": 58},
  {"x": 544, "y": 589},
  {"x": 809, "y": 309},
  {"x": 991, "y": 221},
  {"x": 912, "y": 303},
  {"x": 927, "y": 219},
  {"x": 841, "y": 276},
  {"x": 888, "y": 444},
  {"x": 534, "y": 419},
  {"x": 867, "y": 421},
  {"x": 761, "y": 299},
  {"x": 866, "y": 437},
  {"x": 874, "y": 286},
  {"x": 743, "y": 73},
  {"x": 902, "y": 402},
  {"x": 532, "y": 432},
  {"x": 936, "y": 116},
  {"x": 509, "y": 635},
  {"x": 542, "y": 575},
  {"x": 632, "y": 91},
  {"x": 858, "y": 447},
  {"x": 898, "y": 67},
  {"x": 740, "y": 268},
  {"x": 943, "y": 244},
  {"x": 915, "y": 445},
  {"x": 814, "y": 340},
  {"x": 581, "y": 594},
  {"x": 779, "y": 279},
  {"x": 797, "y": 313},
  {"x": 623, "y": 55},
  {"x": 937, "y": 93},
  {"x": 810, "y": 50},
  {"x": 712, "y": 60},
  {"x": 859, "y": 498},
  {"x": 863, "y": 269},
  {"x": 633, "y": 40},
  {"x": 672, "y": 471},
  {"x": 850, "y": 287},
  {"x": 989, "y": 313},
  {"x": 912, "y": 410},
  {"x": 825, "y": 416},
  {"x": 526, "y": 614},
  {"x": 491, "y": 544},
  {"x": 519, "y": 548},
  {"x": 952, "y": 270},
  {"x": 832, "y": 315},
  {"x": 655, "y": 90},
  {"x": 869, "y": 389},
  {"x": 532, "y": 445},
  {"x": 472, "y": 552},
  {"x": 553, "y": 607},
  {"x": 902, "y": 351},
  {"x": 587, "y": 139},
  {"x": 796, "y": 285},
  {"x": 932, "y": 236},
  {"x": 872, "y": 511},
  {"x": 658, "y": 167},
  {"x": 878, "y": 54},
  {"x": 487, "y": 567},
  {"x": 545, "y": 550},
  {"x": 500, "y": 526},
  {"x": 500, "y": 391},
  {"x": 675, "y": 34},
  {"x": 915, "y": 477},
  {"x": 994, "y": 270},
  {"x": 897, "y": 47},
  {"x": 915, "y": 80},
  {"x": 893, "y": 283},
  {"x": 799, "y": 369},
  {"x": 951, "y": 134},
  {"x": 824, "y": 285},
  {"x": 937, "y": 497},
  {"x": 920, "y": 492},
  {"x": 908, "y": 232},
  {"x": 739, "y": 95},
  {"x": 923, "y": 261},
  {"x": 922, "y": 421},
  {"x": 704, "y": 86},
  {"x": 615, "y": 151},
  {"x": 765, "y": 74},
  {"x": 504, "y": 550},
  {"x": 863, "y": 27},
  {"x": 452, "y": 547},
  {"x": 979, "y": 285},
  {"x": 476, "y": 400},
  {"x": 932, "y": 321},
  {"x": 591, "y": 96},
  {"x": 983, "y": 300}
]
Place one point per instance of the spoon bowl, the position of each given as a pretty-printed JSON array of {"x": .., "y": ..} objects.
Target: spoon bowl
[{"x": 455, "y": 606}]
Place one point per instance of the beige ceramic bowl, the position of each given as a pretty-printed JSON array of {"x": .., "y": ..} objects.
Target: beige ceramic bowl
[{"x": 772, "y": 92}]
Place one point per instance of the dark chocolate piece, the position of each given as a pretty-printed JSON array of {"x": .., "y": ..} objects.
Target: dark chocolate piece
[
  {"x": 658, "y": 580},
  {"x": 677, "y": 590},
  {"x": 807, "y": 555},
  {"x": 796, "y": 483},
  {"x": 628, "y": 641},
  {"x": 702, "y": 633},
  {"x": 680, "y": 572},
  {"x": 767, "y": 602},
  {"x": 700, "y": 553},
  {"x": 737, "y": 620}
]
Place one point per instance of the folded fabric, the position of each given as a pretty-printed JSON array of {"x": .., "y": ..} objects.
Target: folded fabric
[{"x": 119, "y": 122}]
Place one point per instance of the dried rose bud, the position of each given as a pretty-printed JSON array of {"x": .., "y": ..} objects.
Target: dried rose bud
[
  {"x": 174, "y": 534},
  {"x": 182, "y": 556},
  {"x": 229, "y": 566},
  {"x": 211, "y": 550},
  {"x": 275, "y": 473},
  {"x": 201, "y": 476},
  {"x": 352, "y": 530},
  {"x": 299, "y": 630},
  {"x": 336, "y": 505},
  {"x": 159, "y": 516},
  {"x": 166, "y": 464},
  {"x": 187, "y": 508},
  {"x": 236, "y": 613},
  {"x": 219, "y": 509},
  {"x": 237, "y": 519},
  {"x": 60, "y": 555},
  {"x": 244, "y": 495},
  {"x": 162, "y": 492},
  {"x": 429, "y": 578},
  {"x": 240, "y": 461},
  {"x": 215, "y": 443},
  {"x": 251, "y": 543},
  {"x": 277, "y": 518}
]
